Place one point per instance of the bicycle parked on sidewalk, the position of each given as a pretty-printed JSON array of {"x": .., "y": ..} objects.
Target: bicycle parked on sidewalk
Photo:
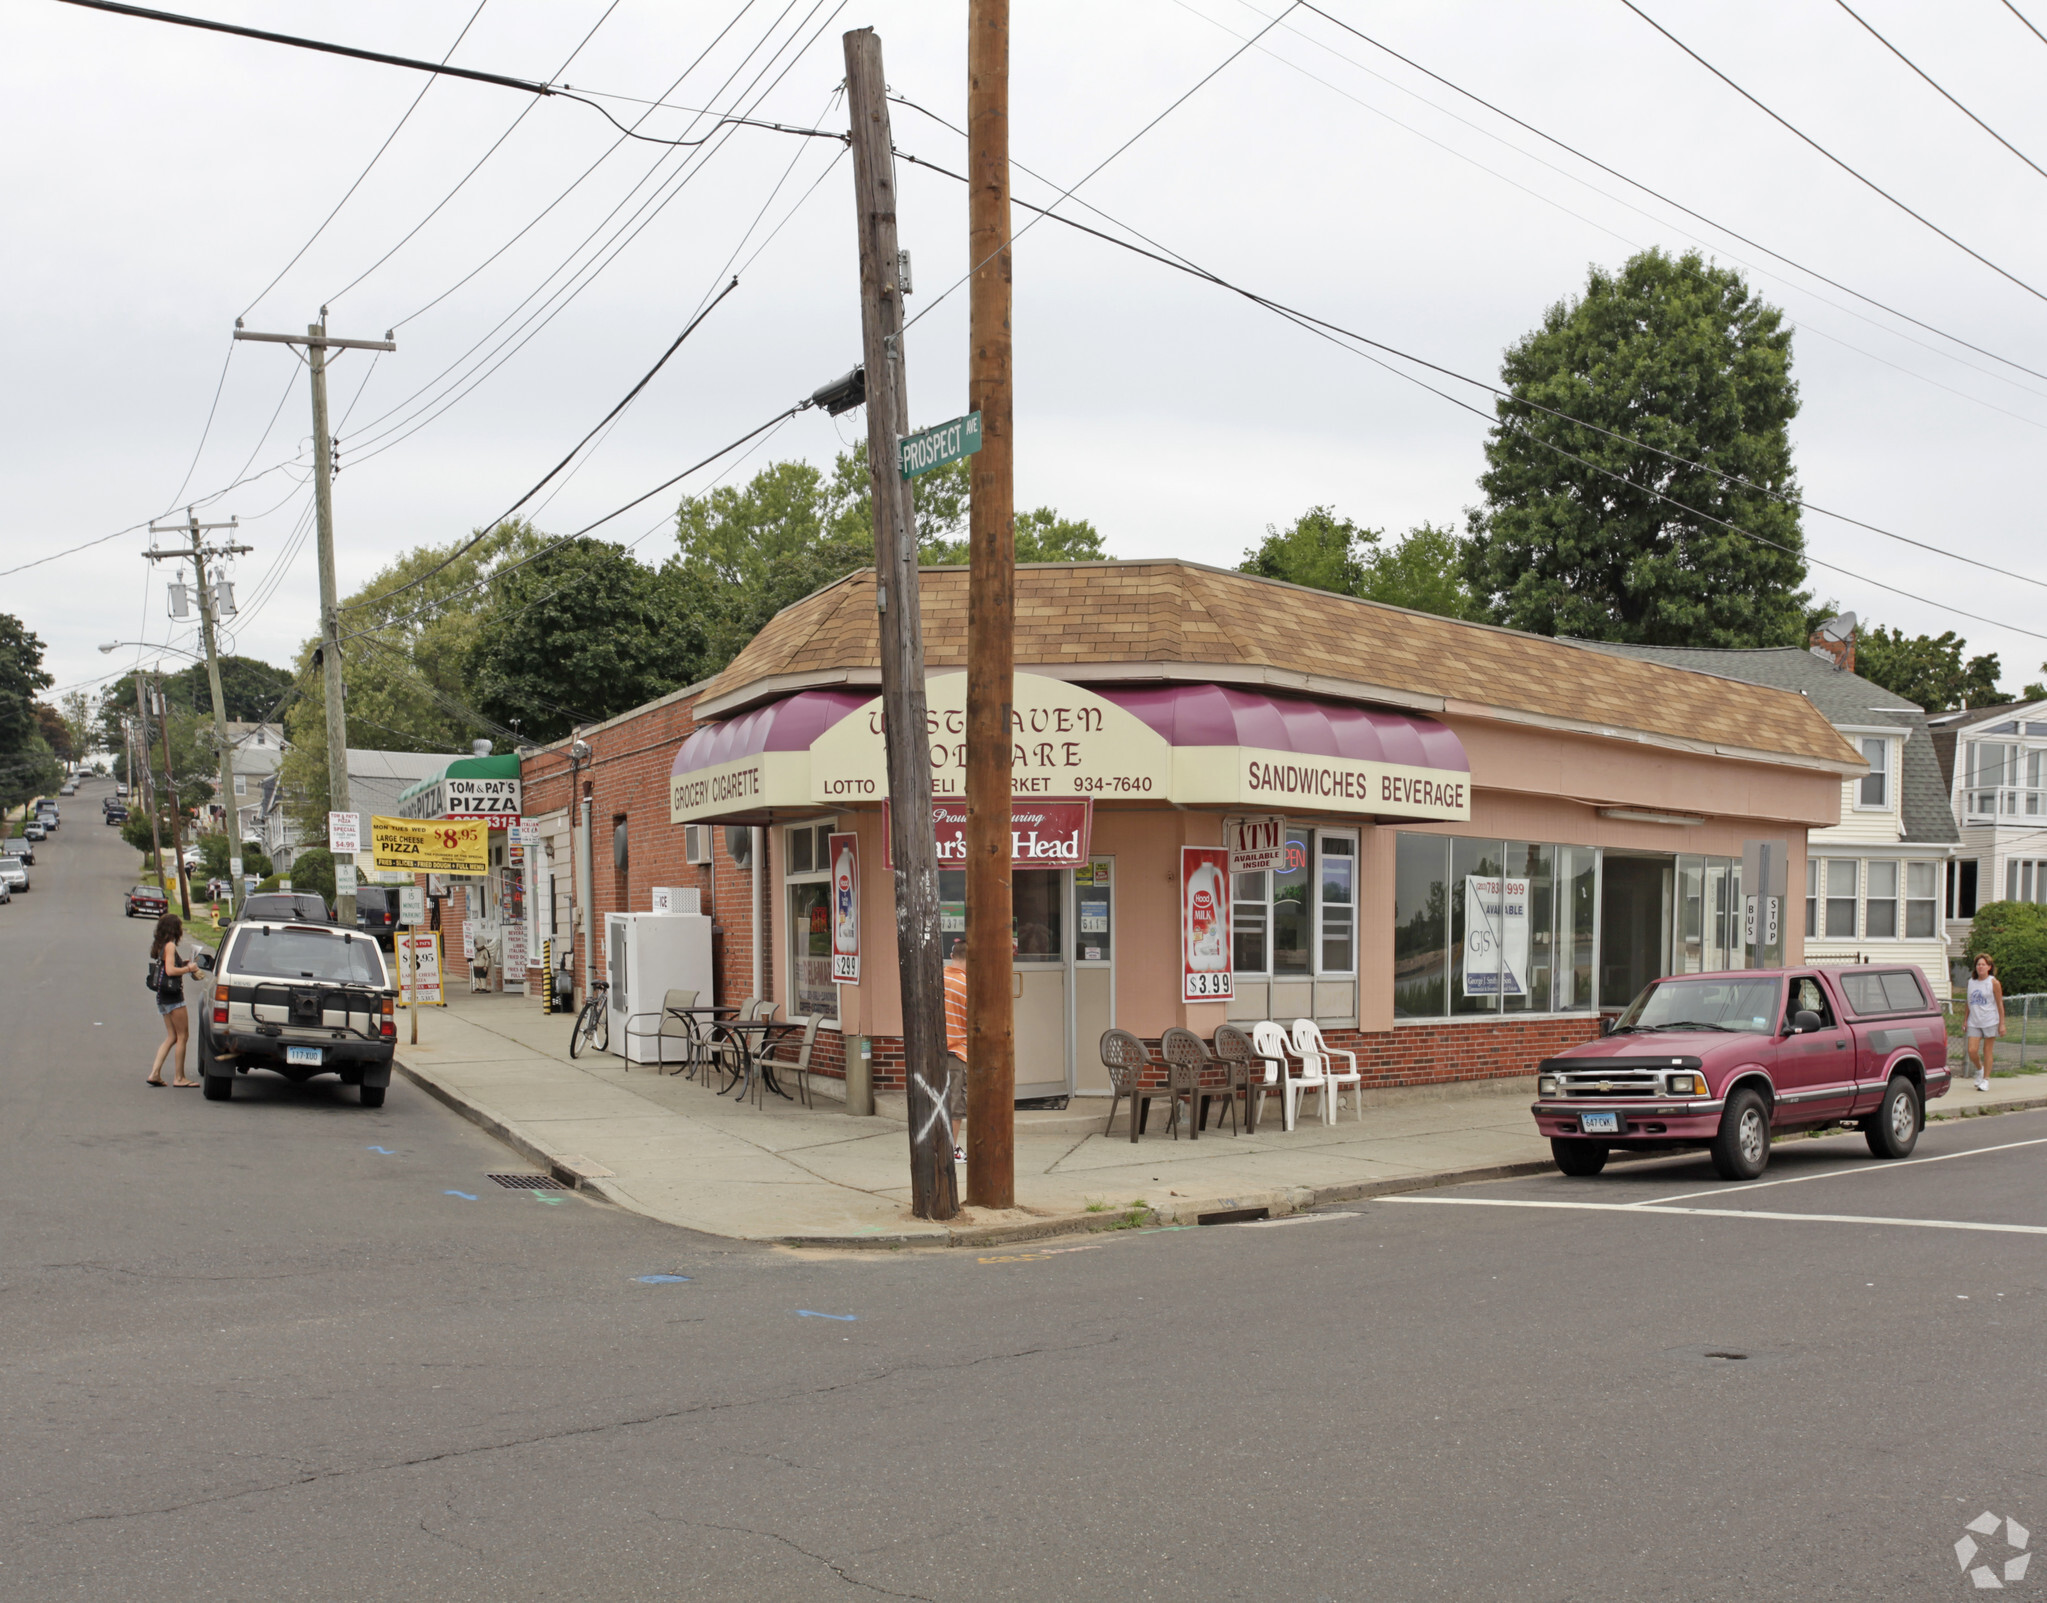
[{"x": 593, "y": 1024}]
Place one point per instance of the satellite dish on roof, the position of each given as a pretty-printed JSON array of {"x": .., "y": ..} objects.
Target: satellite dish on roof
[{"x": 1841, "y": 628}]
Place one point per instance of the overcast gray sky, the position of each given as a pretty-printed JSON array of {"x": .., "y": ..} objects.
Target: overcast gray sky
[{"x": 157, "y": 180}]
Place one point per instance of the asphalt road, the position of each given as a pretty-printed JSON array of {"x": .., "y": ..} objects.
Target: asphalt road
[{"x": 272, "y": 1349}]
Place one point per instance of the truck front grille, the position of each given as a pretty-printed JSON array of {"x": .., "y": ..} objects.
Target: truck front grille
[{"x": 1616, "y": 1083}]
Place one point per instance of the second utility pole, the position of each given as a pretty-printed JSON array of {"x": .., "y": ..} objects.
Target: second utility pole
[
  {"x": 318, "y": 343},
  {"x": 991, "y": 622},
  {"x": 934, "y": 1187}
]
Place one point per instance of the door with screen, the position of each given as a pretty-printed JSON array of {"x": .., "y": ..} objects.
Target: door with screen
[
  {"x": 1041, "y": 964},
  {"x": 1094, "y": 969}
]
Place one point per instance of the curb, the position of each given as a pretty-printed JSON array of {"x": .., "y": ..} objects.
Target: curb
[{"x": 514, "y": 1137}]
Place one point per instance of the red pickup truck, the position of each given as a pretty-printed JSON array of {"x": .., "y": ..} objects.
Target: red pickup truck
[{"x": 1722, "y": 1061}]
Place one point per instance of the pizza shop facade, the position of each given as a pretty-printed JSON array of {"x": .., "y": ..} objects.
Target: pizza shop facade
[{"x": 1451, "y": 895}]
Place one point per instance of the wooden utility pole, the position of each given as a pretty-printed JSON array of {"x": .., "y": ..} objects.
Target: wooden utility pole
[
  {"x": 934, "y": 1191},
  {"x": 163, "y": 727},
  {"x": 318, "y": 343},
  {"x": 991, "y": 621},
  {"x": 209, "y": 629},
  {"x": 139, "y": 788}
]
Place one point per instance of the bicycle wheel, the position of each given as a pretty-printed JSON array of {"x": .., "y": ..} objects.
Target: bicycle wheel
[{"x": 588, "y": 1023}]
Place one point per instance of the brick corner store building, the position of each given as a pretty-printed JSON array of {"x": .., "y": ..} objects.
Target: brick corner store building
[{"x": 1426, "y": 773}]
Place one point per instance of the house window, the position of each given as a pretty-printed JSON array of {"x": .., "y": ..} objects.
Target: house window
[
  {"x": 241, "y": 784},
  {"x": 807, "y": 879},
  {"x": 1842, "y": 874},
  {"x": 1880, "y": 914},
  {"x": 2025, "y": 880},
  {"x": 1875, "y": 790},
  {"x": 1967, "y": 881},
  {"x": 1301, "y": 918},
  {"x": 1812, "y": 897},
  {"x": 1921, "y": 923}
]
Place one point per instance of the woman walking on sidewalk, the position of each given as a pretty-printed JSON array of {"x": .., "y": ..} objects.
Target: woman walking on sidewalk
[
  {"x": 170, "y": 998},
  {"x": 1986, "y": 1016}
]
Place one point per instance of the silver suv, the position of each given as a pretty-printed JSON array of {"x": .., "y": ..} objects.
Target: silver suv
[
  {"x": 299, "y": 999},
  {"x": 15, "y": 872}
]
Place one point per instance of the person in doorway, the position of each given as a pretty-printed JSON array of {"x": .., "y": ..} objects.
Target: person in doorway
[
  {"x": 170, "y": 1000},
  {"x": 1986, "y": 1016},
  {"x": 956, "y": 1044}
]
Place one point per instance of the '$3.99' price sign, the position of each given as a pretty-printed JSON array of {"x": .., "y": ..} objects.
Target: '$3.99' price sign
[{"x": 438, "y": 846}]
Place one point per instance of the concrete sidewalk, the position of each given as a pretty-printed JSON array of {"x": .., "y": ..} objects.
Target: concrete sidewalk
[{"x": 667, "y": 1147}]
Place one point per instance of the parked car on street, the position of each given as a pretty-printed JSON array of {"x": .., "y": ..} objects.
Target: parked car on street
[
  {"x": 15, "y": 872},
  {"x": 47, "y": 814},
  {"x": 1724, "y": 1061},
  {"x": 301, "y": 1000},
  {"x": 148, "y": 900},
  {"x": 68, "y": 788},
  {"x": 376, "y": 913},
  {"x": 117, "y": 815},
  {"x": 301, "y": 907},
  {"x": 35, "y": 829}
]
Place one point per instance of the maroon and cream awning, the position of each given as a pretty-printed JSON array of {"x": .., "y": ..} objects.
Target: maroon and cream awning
[{"x": 1195, "y": 745}]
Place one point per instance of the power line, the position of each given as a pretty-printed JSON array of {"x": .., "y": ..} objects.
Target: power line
[
  {"x": 200, "y": 450},
  {"x": 1337, "y": 334},
  {"x": 489, "y": 528},
  {"x": 1869, "y": 183},
  {"x": 2035, "y": 32},
  {"x": 1656, "y": 194},
  {"x": 1950, "y": 99},
  {"x": 359, "y": 177}
]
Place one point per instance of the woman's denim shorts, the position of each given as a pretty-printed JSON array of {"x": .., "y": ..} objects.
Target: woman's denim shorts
[{"x": 168, "y": 1008}]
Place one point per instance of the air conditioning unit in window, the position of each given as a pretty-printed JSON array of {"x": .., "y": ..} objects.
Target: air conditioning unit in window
[{"x": 696, "y": 843}]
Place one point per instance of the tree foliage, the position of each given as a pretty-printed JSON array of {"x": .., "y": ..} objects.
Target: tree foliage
[
  {"x": 1928, "y": 669},
  {"x": 1421, "y": 570},
  {"x": 27, "y": 765},
  {"x": 2015, "y": 935},
  {"x": 1678, "y": 356}
]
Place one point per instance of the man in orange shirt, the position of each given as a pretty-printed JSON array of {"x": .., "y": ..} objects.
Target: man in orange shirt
[{"x": 956, "y": 1044}]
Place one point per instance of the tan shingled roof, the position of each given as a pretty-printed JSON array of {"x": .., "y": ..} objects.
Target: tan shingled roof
[{"x": 1133, "y": 621}]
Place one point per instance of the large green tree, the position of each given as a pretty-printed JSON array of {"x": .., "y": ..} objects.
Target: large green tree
[
  {"x": 579, "y": 635},
  {"x": 27, "y": 765},
  {"x": 1928, "y": 669},
  {"x": 1421, "y": 570},
  {"x": 1669, "y": 355}
]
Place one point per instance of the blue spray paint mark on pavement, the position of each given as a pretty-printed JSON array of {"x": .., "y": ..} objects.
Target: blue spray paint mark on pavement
[
  {"x": 661, "y": 1280},
  {"x": 812, "y": 1313},
  {"x": 464, "y": 1195},
  {"x": 387, "y": 1151}
]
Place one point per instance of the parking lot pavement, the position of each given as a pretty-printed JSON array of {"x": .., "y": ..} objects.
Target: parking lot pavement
[{"x": 1973, "y": 1176}]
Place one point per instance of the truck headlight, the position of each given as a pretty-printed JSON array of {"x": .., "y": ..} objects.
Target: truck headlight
[
  {"x": 1685, "y": 1084},
  {"x": 1547, "y": 1085}
]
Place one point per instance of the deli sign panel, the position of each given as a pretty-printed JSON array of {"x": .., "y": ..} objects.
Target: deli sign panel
[{"x": 1249, "y": 777}]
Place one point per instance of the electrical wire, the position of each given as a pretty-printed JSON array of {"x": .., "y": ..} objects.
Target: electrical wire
[
  {"x": 1869, "y": 183},
  {"x": 1338, "y": 333},
  {"x": 489, "y": 528},
  {"x": 200, "y": 450},
  {"x": 2035, "y": 32},
  {"x": 365, "y": 173},
  {"x": 1936, "y": 88},
  {"x": 510, "y": 129},
  {"x": 1656, "y": 194},
  {"x": 1011, "y": 240}
]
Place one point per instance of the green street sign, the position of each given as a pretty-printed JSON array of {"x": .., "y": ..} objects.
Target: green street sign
[{"x": 933, "y": 448}]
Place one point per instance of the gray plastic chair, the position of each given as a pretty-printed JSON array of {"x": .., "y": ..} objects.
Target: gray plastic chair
[
  {"x": 1126, "y": 1059},
  {"x": 1245, "y": 1067},
  {"x": 670, "y": 1026}
]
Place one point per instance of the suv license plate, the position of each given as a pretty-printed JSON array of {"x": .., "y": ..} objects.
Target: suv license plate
[
  {"x": 1588, "y": 1123},
  {"x": 312, "y": 1055}
]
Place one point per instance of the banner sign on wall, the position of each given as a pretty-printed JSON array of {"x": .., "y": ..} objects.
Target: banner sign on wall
[
  {"x": 1204, "y": 924},
  {"x": 1042, "y": 834},
  {"x": 448, "y": 846},
  {"x": 843, "y": 853},
  {"x": 461, "y": 796},
  {"x": 344, "y": 834},
  {"x": 1495, "y": 936},
  {"x": 1256, "y": 844},
  {"x": 419, "y": 968}
]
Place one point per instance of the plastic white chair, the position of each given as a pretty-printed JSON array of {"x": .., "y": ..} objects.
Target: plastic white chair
[
  {"x": 1310, "y": 1048},
  {"x": 1272, "y": 1044}
]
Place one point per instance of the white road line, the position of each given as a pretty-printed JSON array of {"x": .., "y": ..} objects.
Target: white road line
[
  {"x": 1731, "y": 1213},
  {"x": 1291, "y": 1219},
  {"x": 1835, "y": 1174}
]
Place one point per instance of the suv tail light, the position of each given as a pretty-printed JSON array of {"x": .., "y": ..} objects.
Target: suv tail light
[
  {"x": 220, "y": 1004},
  {"x": 390, "y": 1019}
]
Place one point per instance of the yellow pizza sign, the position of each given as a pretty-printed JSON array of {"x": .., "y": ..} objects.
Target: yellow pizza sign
[{"x": 436, "y": 846}]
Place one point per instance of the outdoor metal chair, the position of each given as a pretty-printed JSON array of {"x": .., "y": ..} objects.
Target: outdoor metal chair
[
  {"x": 1310, "y": 1048},
  {"x": 670, "y": 1026},
  {"x": 1187, "y": 1064},
  {"x": 1271, "y": 1043},
  {"x": 1246, "y": 1069},
  {"x": 783, "y": 1061},
  {"x": 1126, "y": 1059}
]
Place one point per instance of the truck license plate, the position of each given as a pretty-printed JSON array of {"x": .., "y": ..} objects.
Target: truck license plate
[
  {"x": 1599, "y": 1123},
  {"x": 307, "y": 1054}
]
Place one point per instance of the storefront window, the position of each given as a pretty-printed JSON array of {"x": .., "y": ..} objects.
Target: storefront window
[
  {"x": 1338, "y": 903},
  {"x": 1421, "y": 874},
  {"x": 1094, "y": 894},
  {"x": 807, "y": 877},
  {"x": 1037, "y": 907},
  {"x": 1292, "y": 927},
  {"x": 1482, "y": 926},
  {"x": 1250, "y": 922}
]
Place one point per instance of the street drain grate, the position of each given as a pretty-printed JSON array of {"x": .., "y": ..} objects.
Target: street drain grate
[
  {"x": 1233, "y": 1216},
  {"x": 526, "y": 1182},
  {"x": 1733, "y": 1357}
]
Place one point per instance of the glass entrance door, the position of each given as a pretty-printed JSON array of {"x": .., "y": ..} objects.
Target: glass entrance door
[{"x": 1042, "y": 951}]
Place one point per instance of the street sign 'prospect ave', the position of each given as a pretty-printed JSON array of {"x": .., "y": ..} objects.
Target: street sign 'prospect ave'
[{"x": 933, "y": 448}]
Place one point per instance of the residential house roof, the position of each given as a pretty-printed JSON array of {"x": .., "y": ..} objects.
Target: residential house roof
[
  {"x": 1948, "y": 728},
  {"x": 1140, "y": 622}
]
